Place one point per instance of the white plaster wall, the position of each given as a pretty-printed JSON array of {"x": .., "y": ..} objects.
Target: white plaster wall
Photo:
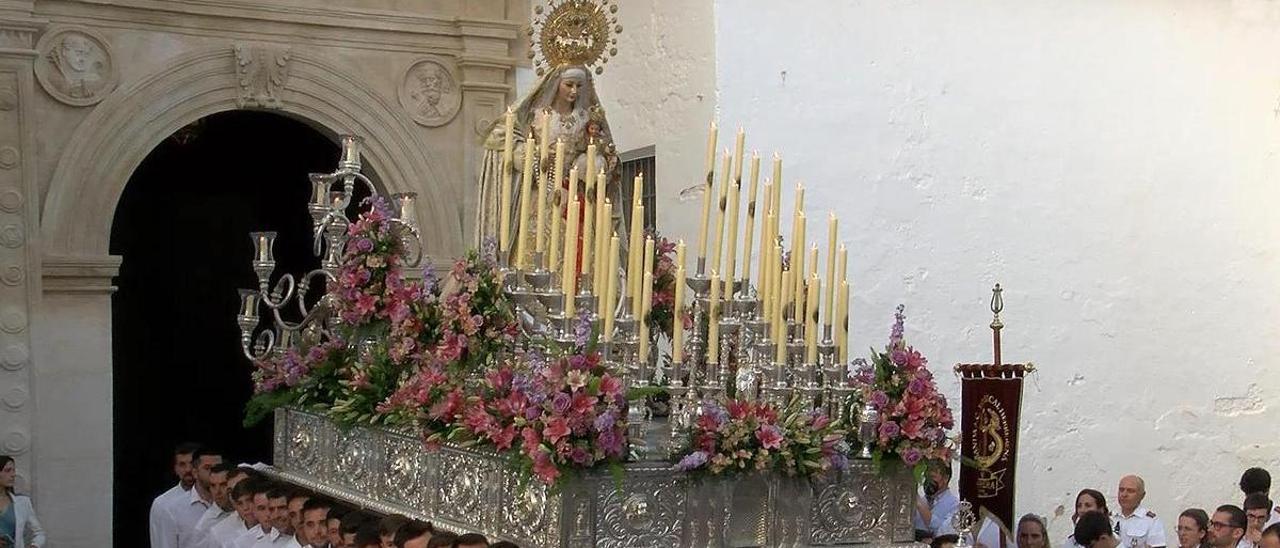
[
  {"x": 661, "y": 84},
  {"x": 1112, "y": 163}
]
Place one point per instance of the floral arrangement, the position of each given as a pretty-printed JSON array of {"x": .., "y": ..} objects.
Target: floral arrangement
[
  {"x": 913, "y": 416},
  {"x": 394, "y": 333},
  {"x": 744, "y": 436},
  {"x": 663, "y": 312},
  {"x": 551, "y": 415}
]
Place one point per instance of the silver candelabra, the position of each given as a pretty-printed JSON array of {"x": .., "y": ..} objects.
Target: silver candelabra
[{"x": 331, "y": 194}]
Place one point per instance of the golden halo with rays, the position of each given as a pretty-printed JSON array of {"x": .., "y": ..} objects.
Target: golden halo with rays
[{"x": 574, "y": 32}]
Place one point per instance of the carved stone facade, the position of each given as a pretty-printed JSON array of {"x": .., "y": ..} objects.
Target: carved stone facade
[{"x": 88, "y": 89}]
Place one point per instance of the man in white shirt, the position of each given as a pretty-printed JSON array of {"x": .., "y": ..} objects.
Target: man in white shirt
[
  {"x": 261, "y": 509},
  {"x": 278, "y": 503},
  {"x": 297, "y": 500},
  {"x": 315, "y": 522},
  {"x": 185, "y": 513},
  {"x": 221, "y": 479},
  {"x": 1136, "y": 526},
  {"x": 934, "y": 511},
  {"x": 238, "y": 522},
  {"x": 159, "y": 507},
  {"x": 265, "y": 533}
]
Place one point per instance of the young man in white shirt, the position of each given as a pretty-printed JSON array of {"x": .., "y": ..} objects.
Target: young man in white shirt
[
  {"x": 240, "y": 521},
  {"x": 315, "y": 522},
  {"x": 220, "y": 478},
  {"x": 160, "y": 522},
  {"x": 297, "y": 500},
  {"x": 1134, "y": 525},
  {"x": 278, "y": 502},
  {"x": 186, "y": 512},
  {"x": 261, "y": 515}
]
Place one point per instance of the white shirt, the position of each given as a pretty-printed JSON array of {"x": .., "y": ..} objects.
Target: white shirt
[
  {"x": 163, "y": 532},
  {"x": 246, "y": 539},
  {"x": 286, "y": 541},
  {"x": 225, "y": 531},
  {"x": 210, "y": 517},
  {"x": 268, "y": 540},
  {"x": 1141, "y": 529},
  {"x": 1274, "y": 519},
  {"x": 186, "y": 512}
]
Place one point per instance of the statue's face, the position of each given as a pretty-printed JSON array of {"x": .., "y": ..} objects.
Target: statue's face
[
  {"x": 568, "y": 90},
  {"x": 431, "y": 84},
  {"x": 77, "y": 50}
]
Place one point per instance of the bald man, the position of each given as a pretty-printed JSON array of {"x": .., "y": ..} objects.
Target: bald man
[{"x": 1134, "y": 525}]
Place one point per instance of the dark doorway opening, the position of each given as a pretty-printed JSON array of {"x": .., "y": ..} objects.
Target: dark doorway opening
[{"x": 182, "y": 227}]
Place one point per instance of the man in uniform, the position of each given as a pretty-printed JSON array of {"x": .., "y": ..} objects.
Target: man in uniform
[{"x": 1134, "y": 525}]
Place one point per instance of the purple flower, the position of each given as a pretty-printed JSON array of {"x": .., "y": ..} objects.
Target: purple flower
[
  {"x": 610, "y": 442},
  {"x": 561, "y": 403},
  {"x": 692, "y": 461},
  {"x": 604, "y": 421},
  {"x": 896, "y": 334},
  {"x": 917, "y": 387},
  {"x": 879, "y": 399},
  {"x": 911, "y": 456},
  {"x": 839, "y": 461},
  {"x": 531, "y": 413},
  {"x": 889, "y": 429},
  {"x": 716, "y": 411},
  {"x": 582, "y": 328},
  {"x": 580, "y": 456}
]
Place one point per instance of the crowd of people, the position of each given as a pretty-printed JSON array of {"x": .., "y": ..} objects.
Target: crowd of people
[
  {"x": 222, "y": 505},
  {"x": 1254, "y": 523}
]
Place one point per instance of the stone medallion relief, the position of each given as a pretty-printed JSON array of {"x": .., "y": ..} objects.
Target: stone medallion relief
[
  {"x": 430, "y": 94},
  {"x": 75, "y": 66}
]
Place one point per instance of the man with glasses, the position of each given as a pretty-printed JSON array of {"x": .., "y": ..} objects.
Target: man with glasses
[{"x": 1226, "y": 528}]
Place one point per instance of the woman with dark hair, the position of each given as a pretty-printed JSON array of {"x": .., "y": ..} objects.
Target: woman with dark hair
[
  {"x": 1193, "y": 528},
  {"x": 17, "y": 516},
  {"x": 1088, "y": 500}
]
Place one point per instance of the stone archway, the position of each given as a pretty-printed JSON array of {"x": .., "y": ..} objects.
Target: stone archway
[
  {"x": 72, "y": 340},
  {"x": 97, "y": 162}
]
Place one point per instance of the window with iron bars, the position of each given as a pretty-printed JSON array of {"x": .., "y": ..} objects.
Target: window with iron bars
[{"x": 635, "y": 162}]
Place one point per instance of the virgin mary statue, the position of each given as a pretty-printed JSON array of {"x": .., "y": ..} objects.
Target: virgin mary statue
[{"x": 564, "y": 102}]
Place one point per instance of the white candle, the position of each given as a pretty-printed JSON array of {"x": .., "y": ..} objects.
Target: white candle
[
  {"x": 526, "y": 205},
  {"x": 504, "y": 211},
  {"x": 749, "y": 233},
  {"x": 644, "y": 323},
  {"x": 677, "y": 324},
  {"x": 569, "y": 271},
  {"x": 721, "y": 205},
  {"x": 707, "y": 191},
  {"x": 831, "y": 269},
  {"x": 611, "y": 282},
  {"x": 713, "y": 320}
]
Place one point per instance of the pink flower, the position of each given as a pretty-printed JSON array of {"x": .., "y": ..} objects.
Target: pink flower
[
  {"x": 502, "y": 439},
  {"x": 529, "y": 440},
  {"x": 610, "y": 386},
  {"x": 545, "y": 468},
  {"x": 365, "y": 304},
  {"x": 555, "y": 429},
  {"x": 770, "y": 436}
]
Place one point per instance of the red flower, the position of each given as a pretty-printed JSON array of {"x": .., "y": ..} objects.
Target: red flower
[{"x": 502, "y": 439}]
